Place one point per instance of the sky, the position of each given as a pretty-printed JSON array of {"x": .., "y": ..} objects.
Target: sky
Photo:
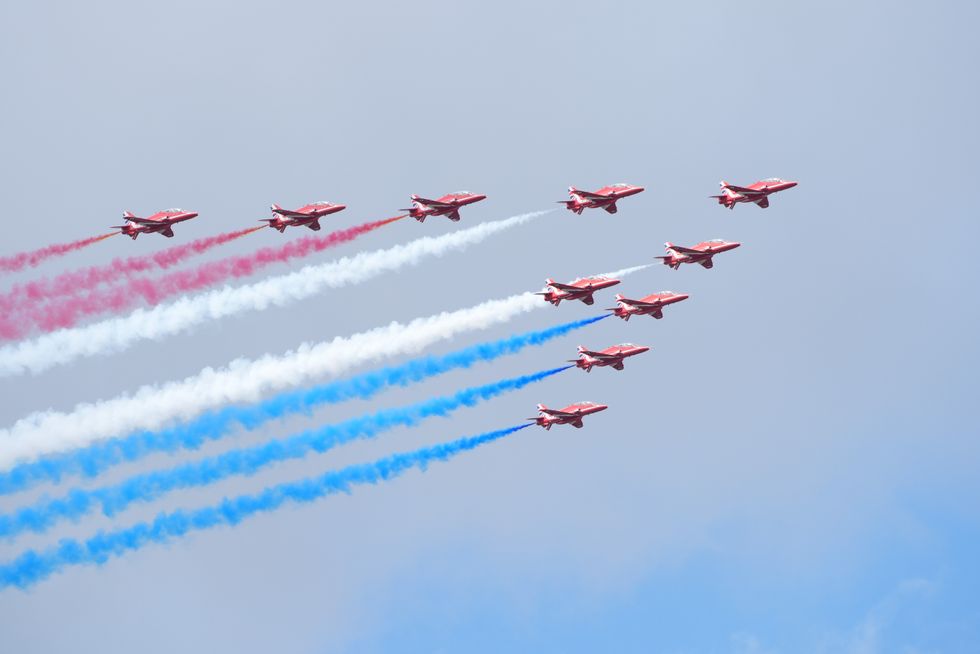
[{"x": 791, "y": 468}]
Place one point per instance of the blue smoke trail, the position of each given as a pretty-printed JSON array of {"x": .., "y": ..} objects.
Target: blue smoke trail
[
  {"x": 247, "y": 461},
  {"x": 95, "y": 459},
  {"x": 33, "y": 566}
]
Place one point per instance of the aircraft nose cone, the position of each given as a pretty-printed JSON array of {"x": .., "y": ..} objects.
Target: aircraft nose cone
[
  {"x": 639, "y": 189},
  {"x": 642, "y": 349},
  {"x": 601, "y": 407},
  {"x": 341, "y": 207},
  {"x": 682, "y": 296},
  {"x": 477, "y": 198},
  {"x": 191, "y": 214},
  {"x": 734, "y": 244}
]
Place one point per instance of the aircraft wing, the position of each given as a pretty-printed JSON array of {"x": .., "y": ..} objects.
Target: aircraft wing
[
  {"x": 433, "y": 203},
  {"x": 745, "y": 191},
  {"x": 288, "y": 213},
  {"x": 641, "y": 305},
  {"x": 565, "y": 287},
  {"x": 555, "y": 413},
  {"x": 144, "y": 221},
  {"x": 601, "y": 356},
  {"x": 684, "y": 250},
  {"x": 592, "y": 196}
]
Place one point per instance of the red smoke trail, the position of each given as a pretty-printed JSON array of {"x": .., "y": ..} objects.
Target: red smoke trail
[
  {"x": 31, "y": 259},
  {"x": 21, "y": 296},
  {"x": 65, "y": 313}
]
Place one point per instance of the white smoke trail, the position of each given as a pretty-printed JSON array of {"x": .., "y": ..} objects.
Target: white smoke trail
[
  {"x": 117, "y": 334},
  {"x": 154, "y": 405},
  {"x": 626, "y": 271}
]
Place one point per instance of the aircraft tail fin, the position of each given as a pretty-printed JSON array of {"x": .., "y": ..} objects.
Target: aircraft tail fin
[{"x": 128, "y": 214}]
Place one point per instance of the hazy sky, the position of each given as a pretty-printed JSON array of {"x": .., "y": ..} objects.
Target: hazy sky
[{"x": 792, "y": 468}]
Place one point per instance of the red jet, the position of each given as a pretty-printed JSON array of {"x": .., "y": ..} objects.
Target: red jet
[
  {"x": 580, "y": 289},
  {"x": 758, "y": 192},
  {"x": 447, "y": 205},
  {"x": 308, "y": 214},
  {"x": 611, "y": 356},
  {"x": 570, "y": 415},
  {"x": 604, "y": 198},
  {"x": 700, "y": 253},
  {"x": 651, "y": 305},
  {"x": 160, "y": 223}
]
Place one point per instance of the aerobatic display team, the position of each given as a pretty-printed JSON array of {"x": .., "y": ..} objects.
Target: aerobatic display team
[{"x": 106, "y": 308}]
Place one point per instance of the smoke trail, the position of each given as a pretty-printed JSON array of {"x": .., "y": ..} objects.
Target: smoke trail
[
  {"x": 626, "y": 271},
  {"x": 98, "y": 457},
  {"x": 154, "y": 405},
  {"x": 31, "y": 259},
  {"x": 72, "y": 282},
  {"x": 33, "y": 566},
  {"x": 117, "y": 334},
  {"x": 149, "y": 486},
  {"x": 67, "y": 312}
]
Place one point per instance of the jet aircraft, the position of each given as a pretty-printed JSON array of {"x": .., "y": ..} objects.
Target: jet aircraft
[
  {"x": 580, "y": 289},
  {"x": 161, "y": 222},
  {"x": 447, "y": 205},
  {"x": 308, "y": 214},
  {"x": 570, "y": 415},
  {"x": 758, "y": 192},
  {"x": 611, "y": 356},
  {"x": 604, "y": 198},
  {"x": 651, "y": 305},
  {"x": 700, "y": 253}
]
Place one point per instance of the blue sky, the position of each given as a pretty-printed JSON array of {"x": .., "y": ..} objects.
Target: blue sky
[{"x": 791, "y": 468}]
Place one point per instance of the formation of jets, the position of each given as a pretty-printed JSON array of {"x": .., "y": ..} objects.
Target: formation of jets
[
  {"x": 652, "y": 305},
  {"x": 581, "y": 289},
  {"x": 448, "y": 205}
]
